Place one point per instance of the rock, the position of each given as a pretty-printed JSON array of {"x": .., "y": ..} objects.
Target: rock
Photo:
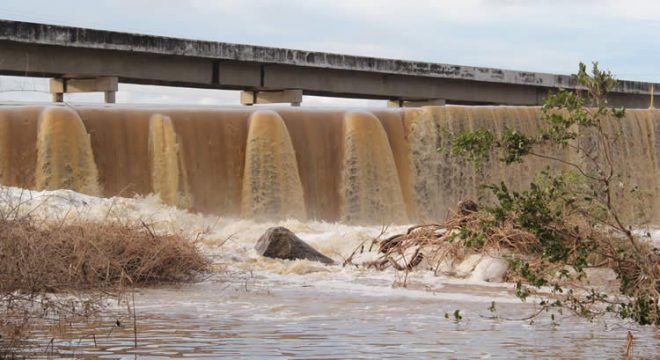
[
  {"x": 602, "y": 278},
  {"x": 465, "y": 268},
  {"x": 490, "y": 269},
  {"x": 281, "y": 243},
  {"x": 483, "y": 268}
]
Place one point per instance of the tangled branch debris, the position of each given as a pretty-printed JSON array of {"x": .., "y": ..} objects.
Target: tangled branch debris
[
  {"x": 438, "y": 243},
  {"x": 433, "y": 246}
]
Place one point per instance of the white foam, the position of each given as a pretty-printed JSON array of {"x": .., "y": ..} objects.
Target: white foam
[
  {"x": 651, "y": 233},
  {"x": 230, "y": 241},
  {"x": 224, "y": 238}
]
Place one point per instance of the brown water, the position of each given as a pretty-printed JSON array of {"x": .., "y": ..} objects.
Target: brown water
[
  {"x": 271, "y": 180},
  {"x": 258, "y": 307},
  {"x": 168, "y": 175},
  {"x": 376, "y": 166},
  {"x": 256, "y": 318}
]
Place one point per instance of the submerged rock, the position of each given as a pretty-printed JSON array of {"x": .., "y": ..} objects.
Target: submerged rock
[{"x": 281, "y": 243}]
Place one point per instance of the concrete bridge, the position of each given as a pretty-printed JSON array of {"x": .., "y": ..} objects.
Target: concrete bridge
[{"x": 81, "y": 60}]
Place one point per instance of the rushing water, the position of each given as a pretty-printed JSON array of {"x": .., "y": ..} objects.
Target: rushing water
[
  {"x": 257, "y": 317},
  {"x": 267, "y": 308},
  {"x": 356, "y": 166},
  {"x": 315, "y": 172}
]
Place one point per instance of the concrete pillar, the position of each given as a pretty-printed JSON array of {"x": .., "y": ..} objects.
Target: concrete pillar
[
  {"x": 105, "y": 84},
  {"x": 110, "y": 97},
  {"x": 415, "y": 103},
  {"x": 58, "y": 97},
  {"x": 292, "y": 96}
]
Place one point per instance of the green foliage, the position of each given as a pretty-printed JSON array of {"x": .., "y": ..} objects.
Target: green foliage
[
  {"x": 492, "y": 308},
  {"x": 535, "y": 210},
  {"x": 515, "y": 145},
  {"x": 562, "y": 210},
  {"x": 598, "y": 84},
  {"x": 457, "y": 316},
  {"x": 641, "y": 309},
  {"x": 475, "y": 145},
  {"x": 470, "y": 237}
]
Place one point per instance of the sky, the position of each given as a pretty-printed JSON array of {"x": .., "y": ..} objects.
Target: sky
[{"x": 533, "y": 35}]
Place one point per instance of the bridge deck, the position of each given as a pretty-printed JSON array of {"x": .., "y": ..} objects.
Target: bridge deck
[{"x": 59, "y": 51}]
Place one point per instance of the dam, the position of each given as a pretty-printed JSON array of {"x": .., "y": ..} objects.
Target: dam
[
  {"x": 362, "y": 166},
  {"x": 348, "y": 182},
  {"x": 370, "y": 166}
]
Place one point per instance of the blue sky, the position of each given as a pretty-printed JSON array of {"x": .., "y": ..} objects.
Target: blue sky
[{"x": 534, "y": 35}]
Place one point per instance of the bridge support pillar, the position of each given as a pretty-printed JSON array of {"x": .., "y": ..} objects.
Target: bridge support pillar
[
  {"x": 415, "y": 103},
  {"x": 58, "y": 97},
  {"x": 292, "y": 96},
  {"x": 652, "y": 106},
  {"x": 105, "y": 84}
]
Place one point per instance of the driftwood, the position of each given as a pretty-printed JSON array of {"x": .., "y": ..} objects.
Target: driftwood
[{"x": 436, "y": 242}]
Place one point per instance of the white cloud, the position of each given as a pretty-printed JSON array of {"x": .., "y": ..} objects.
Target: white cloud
[
  {"x": 647, "y": 10},
  {"x": 325, "y": 101},
  {"x": 16, "y": 88}
]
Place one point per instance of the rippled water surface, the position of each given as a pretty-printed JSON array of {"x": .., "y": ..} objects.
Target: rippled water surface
[
  {"x": 264, "y": 308},
  {"x": 258, "y": 317}
]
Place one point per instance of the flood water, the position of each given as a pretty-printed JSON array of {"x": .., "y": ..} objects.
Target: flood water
[
  {"x": 254, "y": 317},
  {"x": 255, "y": 307}
]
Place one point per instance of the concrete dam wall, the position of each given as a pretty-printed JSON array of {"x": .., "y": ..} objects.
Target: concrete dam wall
[{"x": 359, "y": 166}]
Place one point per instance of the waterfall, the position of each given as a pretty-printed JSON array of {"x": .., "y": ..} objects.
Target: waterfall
[
  {"x": 366, "y": 167},
  {"x": 64, "y": 153}
]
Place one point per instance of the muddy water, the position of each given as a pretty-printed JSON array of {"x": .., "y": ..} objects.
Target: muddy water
[
  {"x": 370, "y": 167},
  {"x": 363, "y": 167},
  {"x": 258, "y": 317},
  {"x": 268, "y": 308},
  {"x": 271, "y": 180}
]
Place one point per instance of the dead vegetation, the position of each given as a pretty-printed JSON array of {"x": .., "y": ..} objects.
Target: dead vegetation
[
  {"x": 636, "y": 264},
  {"x": 51, "y": 272},
  {"x": 446, "y": 241},
  {"x": 91, "y": 256}
]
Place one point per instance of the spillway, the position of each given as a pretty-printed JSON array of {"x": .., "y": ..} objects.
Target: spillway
[
  {"x": 64, "y": 153},
  {"x": 167, "y": 168},
  {"x": 271, "y": 180},
  {"x": 370, "y": 186},
  {"x": 372, "y": 166}
]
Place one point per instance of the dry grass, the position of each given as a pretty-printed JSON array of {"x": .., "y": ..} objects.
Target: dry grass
[
  {"x": 54, "y": 272},
  {"x": 91, "y": 256}
]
